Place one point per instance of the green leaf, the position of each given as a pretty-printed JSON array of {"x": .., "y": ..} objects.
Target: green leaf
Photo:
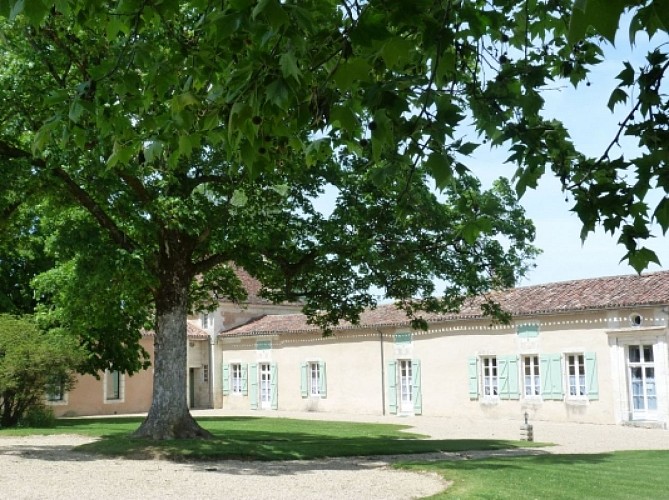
[
  {"x": 396, "y": 52},
  {"x": 440, "y": 167},
  {"x": 661, "y": 8},
  {"x": 467, "y": 148},
  {"x": 345, "y": 117},
  {"x": 16, "y": 9},
  {"x": 187, "y": 143},
  {"x": 641, "y": 258},
  {"x": 76, "y": 110},
  {"x": 152, "y": 150},
  {"x": 661, "y": 214},
  {"x": 239, "y": 198},
  {"x": 35, "y": 10},
  {"x": 278, "y": 94},
  {"x": 602, "y": 15},
  {"x": 289, "y": 66},
  {"x": 618, "y": 95},
  {"x": 181, "y": 101},
  {"x": 355, "y": 69},
  {"x": 626, "y": 76}
]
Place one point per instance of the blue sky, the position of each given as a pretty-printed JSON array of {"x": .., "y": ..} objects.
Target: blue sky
[{"x": 592, "y": 127}]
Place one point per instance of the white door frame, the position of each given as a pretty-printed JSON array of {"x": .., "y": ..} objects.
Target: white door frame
[
  {"x": 265, "y": 385},
  {"x": 405, "y": 384}
]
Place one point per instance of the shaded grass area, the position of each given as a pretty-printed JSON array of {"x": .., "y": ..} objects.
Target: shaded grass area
[
  {"x": 257, "y": 438},
  {"x": 619, "y": 475}
]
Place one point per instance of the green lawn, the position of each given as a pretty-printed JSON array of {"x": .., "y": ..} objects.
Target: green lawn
[
  {"x": 620, "y": 475},
  {"x": 253, "y": 438}
]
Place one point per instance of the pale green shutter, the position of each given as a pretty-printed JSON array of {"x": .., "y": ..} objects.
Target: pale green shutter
[
  {"x": 304, "y": 380},
  {"x": 507, "y": 367},
  {"x": 226, "y": 379},
  {"x": 253, "y": 382},
  {"x": 392, "y": 387},
  {"x": 275, "y": 386},
  {"x": 592, "y": 387},
  {"x": 323, "y": 389},
  {"x": 245, "y": 379},
  {"x": 473, "y": 371},
  {"x": 416, "y": 393},
  {"x": 550, "y": 366}
]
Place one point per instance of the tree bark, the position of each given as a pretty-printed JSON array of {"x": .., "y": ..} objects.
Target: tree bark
[{"x": 169, "y": 416}]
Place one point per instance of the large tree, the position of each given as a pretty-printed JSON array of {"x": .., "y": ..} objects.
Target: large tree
[{"x": 164, "y": 140}]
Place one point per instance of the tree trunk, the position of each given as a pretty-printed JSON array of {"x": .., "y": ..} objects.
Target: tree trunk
[{"x": 169, "y": 417}]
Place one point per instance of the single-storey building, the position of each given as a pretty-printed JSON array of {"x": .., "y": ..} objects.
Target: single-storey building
[{"x": 591, "y": 350}]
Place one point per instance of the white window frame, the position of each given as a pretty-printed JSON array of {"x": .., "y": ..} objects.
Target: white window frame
[
  {"x": 643, "y": 364},
  {"x": 534, "y": 376},
  {"x": 236, "y": 379},
  {"x": 61, "y": 395},
  {"x": 579, "y": 385},
  {"x": 489, "y": 377},
  {"x": 121, "y": 387},
  {"x": 204, "y": 318},
  {"x": 314, "y": 379}
]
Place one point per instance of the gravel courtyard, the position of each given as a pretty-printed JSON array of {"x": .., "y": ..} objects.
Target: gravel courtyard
[{"x": 42, "y": 467}]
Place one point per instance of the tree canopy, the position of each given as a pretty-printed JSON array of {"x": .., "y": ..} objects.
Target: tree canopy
[
  {"x": 165, "y": 140},
  {"x": 31, "y": 363}
]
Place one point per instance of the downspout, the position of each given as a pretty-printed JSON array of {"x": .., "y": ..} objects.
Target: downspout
[
  {"x": 212, "y": 344},
  {"x": 383, "y": 376}
]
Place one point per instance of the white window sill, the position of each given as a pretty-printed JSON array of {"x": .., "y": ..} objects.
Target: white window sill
[
  {"x": 490, "y": 400},
  {"x": 576, "y": 400}
]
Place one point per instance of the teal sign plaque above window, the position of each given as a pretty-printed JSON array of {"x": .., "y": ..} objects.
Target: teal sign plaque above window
[
  {"x": 403, "y": 338},
  {"x": 263, "y": 345},
  {"x": 528, "y": 331}
]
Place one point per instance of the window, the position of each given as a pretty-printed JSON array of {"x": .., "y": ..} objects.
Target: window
[
  {"x": 313, "y": 382},
  {"x": 55, "y": 390},
  {"x": 314, "y": 379},
  {"x": 489, "y": 376},
  {"x": 641, "y": 365},
  {"x": 236, "y": 378},
  {"x": 205, "y": 321},
  {"x": 532, "y": 381},
  {"x": 113, "y": 386},
  {"x": 205, "y": 373},
  {"x": 576, "y": 375}
]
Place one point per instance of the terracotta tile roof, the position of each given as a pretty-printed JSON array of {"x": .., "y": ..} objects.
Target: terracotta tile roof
[
  {"x": 568, "y": 296},
  {"x": 253, "y": 287}
]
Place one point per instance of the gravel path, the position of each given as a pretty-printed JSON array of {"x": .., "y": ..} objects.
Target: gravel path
[{"x": 43, "y": 467}]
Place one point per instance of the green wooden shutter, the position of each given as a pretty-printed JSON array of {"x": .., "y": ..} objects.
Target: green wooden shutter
[
  {"x": 273, "y": 370},
  {"x": 304, "y": 385},
  {"x": 392, "y": 386},
  {"x": 473, "y": 371},
  {"x": 226, "y": 379},
  {"x": 592, "y": 387},
  {"x": 550, "y": 366},
  {"x": 323, "y": 389},
  {"x": 245, "y": 379},
  {"x": 416, "y": 393},
  {"x": 507, "y": 367},
  {"x": 253, "y": 385}
]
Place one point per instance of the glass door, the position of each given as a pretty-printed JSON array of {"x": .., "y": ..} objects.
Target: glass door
[
  {"x": 265, "y": 386},
  {"x": 406, "y": 404},
  {"x": 641, "y": 370}
]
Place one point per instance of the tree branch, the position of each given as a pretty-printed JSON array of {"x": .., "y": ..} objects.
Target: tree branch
[
  {"x": 209, "y": 262},
  {"x": 85, "y": 200}
]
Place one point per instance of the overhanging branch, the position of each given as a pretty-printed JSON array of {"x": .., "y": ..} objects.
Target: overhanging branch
[{"x": 85, "y": 200}]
